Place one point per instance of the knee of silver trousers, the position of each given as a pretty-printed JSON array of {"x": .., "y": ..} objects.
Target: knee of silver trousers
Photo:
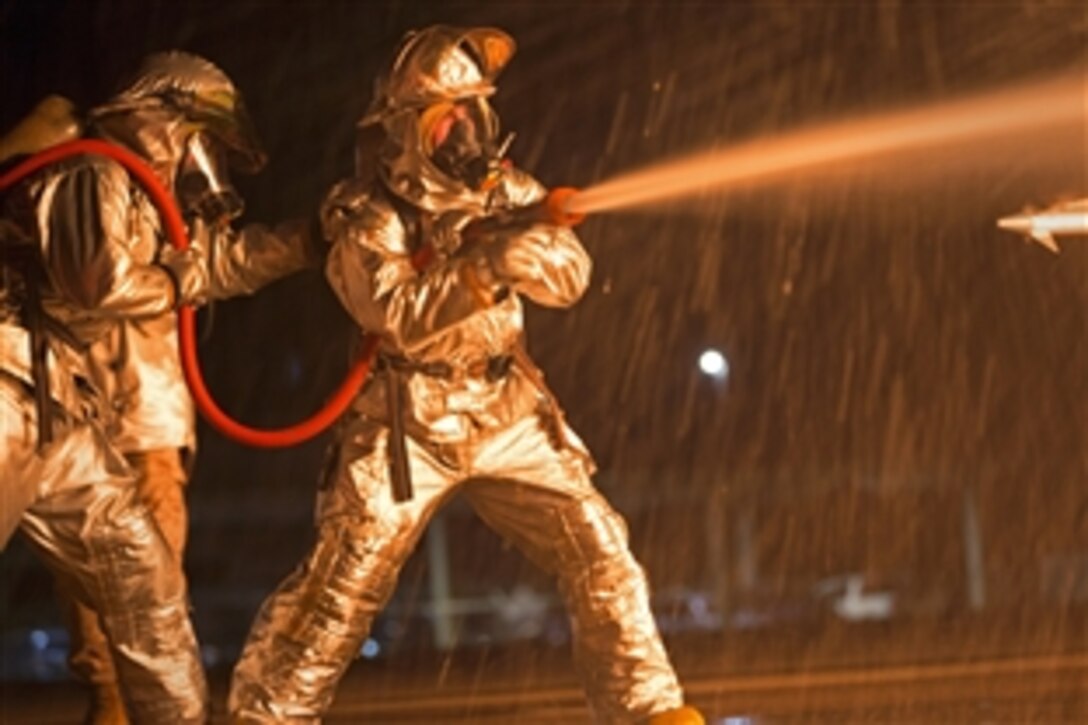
[
  {"x": 310, "y": 629},
  {"x": 137, "y": 587}
]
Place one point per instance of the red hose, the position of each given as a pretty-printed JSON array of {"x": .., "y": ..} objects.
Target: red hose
[{"x": 190, "y": 363}]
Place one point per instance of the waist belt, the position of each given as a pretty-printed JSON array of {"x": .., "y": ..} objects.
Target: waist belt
[
  {"x": 492, "y": 368},
  {"x": 395, "y": 369},
  {"x": 40, "y": 325}
]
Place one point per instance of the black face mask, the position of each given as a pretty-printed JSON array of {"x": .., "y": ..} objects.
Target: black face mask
[
  {"x": 468, "y": 153},
  {"x": 203, "y": 187}
]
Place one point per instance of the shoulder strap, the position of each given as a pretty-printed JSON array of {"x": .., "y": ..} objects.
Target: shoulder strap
[{"x": 410, "y": 217}]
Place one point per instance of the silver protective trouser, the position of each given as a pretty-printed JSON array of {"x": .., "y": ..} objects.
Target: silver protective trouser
[
  {"x": 86, "y": 522},
  {"x": 160, "y": 487},
  {"x": 532, "y": 492}
]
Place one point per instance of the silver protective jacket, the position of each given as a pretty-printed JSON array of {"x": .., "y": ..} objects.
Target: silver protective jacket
[
  {"x": 126, "y": 298},
  {"x": 136, "y": 360},
  {"x": 495, "y": 437},
  {"x": 437, "y": 315}
]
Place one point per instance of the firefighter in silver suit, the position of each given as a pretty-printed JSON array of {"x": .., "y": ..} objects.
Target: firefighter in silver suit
[
  {"x": 186, "y": 117},
  {"x": 455, "y": 405},
  {"x": 94, "y": 424}
]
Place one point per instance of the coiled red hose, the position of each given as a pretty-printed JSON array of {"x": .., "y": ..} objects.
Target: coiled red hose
[{"x": 190, "y": 363}]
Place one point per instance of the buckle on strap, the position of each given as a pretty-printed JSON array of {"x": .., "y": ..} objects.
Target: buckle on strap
[{"x": 401, "y": 364}]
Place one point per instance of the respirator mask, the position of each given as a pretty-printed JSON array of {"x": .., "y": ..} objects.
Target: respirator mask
[
  {"x": 460, "y": 139},
  {"x": 203, "y": 186}
]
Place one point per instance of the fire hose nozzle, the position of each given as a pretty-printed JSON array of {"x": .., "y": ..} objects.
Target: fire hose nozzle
[
  {"x": 552, "y": 209},
  {"x": 557, "y": 207}
]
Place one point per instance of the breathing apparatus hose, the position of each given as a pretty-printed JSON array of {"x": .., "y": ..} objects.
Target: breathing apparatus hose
[
  {"x": 190, "y": 363},
  {"x": 552, "y": 209}
]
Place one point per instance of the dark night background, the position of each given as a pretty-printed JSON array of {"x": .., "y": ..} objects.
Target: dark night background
[{"x": 907, "y": 401}]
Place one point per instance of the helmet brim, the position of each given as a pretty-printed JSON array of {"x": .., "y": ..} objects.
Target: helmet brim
[{"x": 233, "y": 127}]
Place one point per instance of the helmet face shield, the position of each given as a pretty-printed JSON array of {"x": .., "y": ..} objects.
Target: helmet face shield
[
  {"x": 224, "y": 116},
  {"x": 460, "y": 139},
  {"x": 203, "y": 186}
]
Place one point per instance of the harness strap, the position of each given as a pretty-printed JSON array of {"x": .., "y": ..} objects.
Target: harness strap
[{"x": 22, "y": 258}]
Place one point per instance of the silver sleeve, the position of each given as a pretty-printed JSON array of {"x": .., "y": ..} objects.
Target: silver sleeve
[
  {"x": 88, "y": 231},
  {"x": 370, "y": 270}
]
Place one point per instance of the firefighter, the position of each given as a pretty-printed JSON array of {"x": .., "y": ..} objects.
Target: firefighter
[
  {"x": 89, "y": 275},
  {"x": 456, "y": 405}
]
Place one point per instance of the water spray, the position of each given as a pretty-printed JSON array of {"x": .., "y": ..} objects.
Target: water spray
[{"x": 1044, "y": 106}]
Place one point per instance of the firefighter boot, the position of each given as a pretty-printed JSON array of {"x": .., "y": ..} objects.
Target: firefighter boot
[{"x": 680, "y": 716}]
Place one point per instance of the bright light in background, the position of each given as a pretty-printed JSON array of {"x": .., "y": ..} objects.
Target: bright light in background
[
  {"x": 39, "y": 639},
  {"x": 370, "y": 648},
  {"x": 714, "y": 364}
]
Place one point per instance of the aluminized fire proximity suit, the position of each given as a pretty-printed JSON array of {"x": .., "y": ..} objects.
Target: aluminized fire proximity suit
[
  {"x": 136, "y": 362},
  {"x": 114, "y": 532},
  {"x": 477, "y": 417},
  {"x": 74, "y": 496}
]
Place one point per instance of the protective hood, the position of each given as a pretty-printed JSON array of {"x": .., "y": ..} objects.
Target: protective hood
[
  {"x": 411, "y": 173},
  {"x": 433, "y": 68}
]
